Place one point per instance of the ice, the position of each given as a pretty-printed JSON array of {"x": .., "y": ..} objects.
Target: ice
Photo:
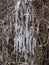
[
  {"x": 26, "y": 33},
  {"x": 27, "y": 17}
]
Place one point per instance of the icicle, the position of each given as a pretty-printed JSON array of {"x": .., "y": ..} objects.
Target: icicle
[
  {"x": 26, "y": 1},
  {"x": 27, "y": 17},
  {"x": 17, "y": 9},
  {"x": 26, "y": 23},
  {"x": 16, "y": 26},
  {"x": 37, "y": 26},
  {"x": 15, "y": 44},
  {"x": 16, "y": 16},
  {"x": 34, "y": 45}
]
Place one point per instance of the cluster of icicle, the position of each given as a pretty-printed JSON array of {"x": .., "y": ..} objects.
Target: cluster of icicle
[{"x": 22, "y": 41}]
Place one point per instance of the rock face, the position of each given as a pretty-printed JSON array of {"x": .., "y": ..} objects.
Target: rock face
[
  {"x": 24, "y": 32},
  {"x": 6, "y": 29}
]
